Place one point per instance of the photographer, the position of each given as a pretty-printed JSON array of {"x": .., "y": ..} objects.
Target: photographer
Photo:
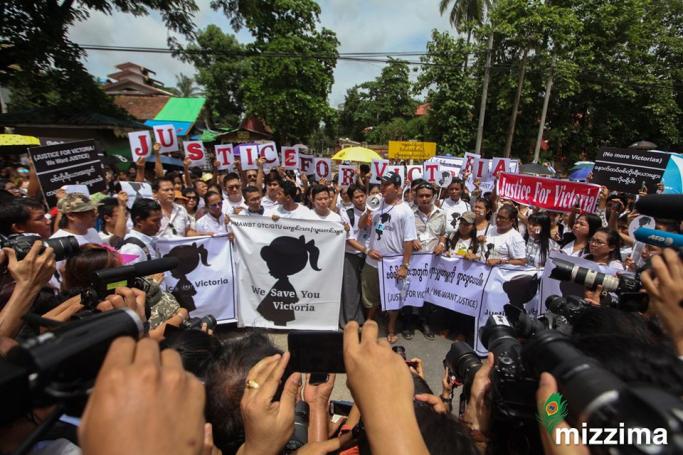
[
  {"x": 24, "y": 216},
  {"x": 30, "y": 275}
]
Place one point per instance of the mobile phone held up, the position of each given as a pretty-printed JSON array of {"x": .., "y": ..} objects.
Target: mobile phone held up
[{"x": 316, "y": 352}]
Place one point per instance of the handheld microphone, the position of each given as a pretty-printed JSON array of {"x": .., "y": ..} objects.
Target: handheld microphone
[
  {"x": 658, "y": 238},
  {"x": 661, "y": 205}
]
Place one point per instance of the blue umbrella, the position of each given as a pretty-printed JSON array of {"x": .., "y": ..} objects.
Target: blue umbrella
[
  {"x": 580, "y": 171},
  {"x": 673, "y": 175}
]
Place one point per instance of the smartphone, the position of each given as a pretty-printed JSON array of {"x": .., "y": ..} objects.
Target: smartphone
[
  {"x": 340, "y": 407},
  {"x": 316, "y": 352}
]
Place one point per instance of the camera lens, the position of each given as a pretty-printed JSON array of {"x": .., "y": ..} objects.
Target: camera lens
[
  {"x": 462, "y": 361},
  {"x": 400, "y": 350},
  {"x": 64, "y": 247},
  {"x": 555, "y": 303}
]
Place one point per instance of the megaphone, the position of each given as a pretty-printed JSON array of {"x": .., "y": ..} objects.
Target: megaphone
[{"x": 374, "y": 202}]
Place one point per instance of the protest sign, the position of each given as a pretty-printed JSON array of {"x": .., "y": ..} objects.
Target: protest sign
[
  {"x": 290, "y": 157},
  {"x": 411, "y": 150},
  {"x": 224, "y": 156},
  {"x": 414, "y": 172},
  {"x": 248, "y": 156},
  {"x": 306, "y": 163},
  {"x": 400, "y": 170},
  {"x": 390, "y": 287},
  {"x": 268, "y": 151},
  {"x": 346, "y": 175},
  {"x": 194, "y": 151},
  {"x": 377, "y": 169},
  {"x": 514, "y": 285},
  {"x": 468, "y": 165},
  {"x": 204, "y": 281},
  {"x": 456, "y": 284},
  {"x": 500, "y": 165},
  {"x": 549, "y": 194},
  {"x": 430, "y": 171},
  {"x": 289, "y": 272},
  {"x": 638, "y": 222},
  {"x": 167, "y": 138},
  {"x": 628, "y": 169},
  {"x": 445, "y": 177},
  {"x": 323, "y": 168},
  {"x": 136, "y": 190},
  {"x": 140, "y": 144},
  {"x": 71, "y": 163}
]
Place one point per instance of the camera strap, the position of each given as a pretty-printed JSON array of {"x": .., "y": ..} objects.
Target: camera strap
[{"x": 137, "y": 242}]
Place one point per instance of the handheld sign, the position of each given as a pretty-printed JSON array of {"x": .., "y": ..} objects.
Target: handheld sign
[
  {"x": 140, "y": 144},
  {"x": 290, "y": 157},
  {"x": 377, "y": 170},
  {"x": 268, "y": 151},
  {"x": 166, "y": 137},
  {"x": 248, "y": 156},
  {"x": 194, "y": 150},
  {"x": 323, "y": 168},
  {"x": 224, "y": 155},
  {"x": 306, "y": 163},
  {"x": 414, "y": 172},
  {"x": 347, "y": 175}
]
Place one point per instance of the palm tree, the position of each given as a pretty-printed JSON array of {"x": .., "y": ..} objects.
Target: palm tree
[{"x": 185, "y": 87}]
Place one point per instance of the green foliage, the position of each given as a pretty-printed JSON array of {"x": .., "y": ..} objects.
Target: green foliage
[
  {"x": 219, "y": 60},
  {"x": 41, "y": 65},
  {"x": 450, "y": 92},
  {"x": 185, "y": 87}
]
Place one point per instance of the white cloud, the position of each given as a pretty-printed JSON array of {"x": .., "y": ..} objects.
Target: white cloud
[{"x": 361, "y": 26}]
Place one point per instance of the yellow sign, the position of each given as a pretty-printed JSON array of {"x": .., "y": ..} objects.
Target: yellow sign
[{"x": 411, "y": 150}]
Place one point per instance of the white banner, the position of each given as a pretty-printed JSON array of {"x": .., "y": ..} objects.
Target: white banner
[
  {"x": 457, "y": 284},
  {"x": 390, "y": 287},
  {"x": 204, "y": 281},
  {"x": 289, "y": 272},
  {"x": 518, "y": 286}
]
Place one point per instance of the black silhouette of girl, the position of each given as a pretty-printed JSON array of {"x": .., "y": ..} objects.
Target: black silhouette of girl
[
  {"x": 188, "y": 260},
  {"x": 454, "y": 219},
  {"x": 521, "y": 289},
  {"x": 285, "y": 256},
  {"x": 383, "y": 219}
]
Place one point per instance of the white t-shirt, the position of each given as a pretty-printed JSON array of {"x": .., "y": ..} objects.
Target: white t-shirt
[
  {"x": 569, "y": 250},
  {"x": 130, "y": 248},
  {"x": 360, "y": 235},
  {"x": 268, "y": 203},
  {"x": 266, "y": 212},
  {"x": 301, "y": 212},
  {"x": 392, "y": 225},
  {"x": 175, "y": 225},
  {"x": 508, "y": 245},
  {"x": 453, "y": 210},
  {"x": 208, "y": 223},
  {"x": 91, "y": 236},
  {"x": 331, "y": 216},
  {"x": 229, "y": 206}
]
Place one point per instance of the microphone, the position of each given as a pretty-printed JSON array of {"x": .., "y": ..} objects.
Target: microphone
[
  {"x": 658, "y": 238},
  {"x": 661, "y": 205}
]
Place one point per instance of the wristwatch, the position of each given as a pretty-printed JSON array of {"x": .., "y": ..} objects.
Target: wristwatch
[{"x": 405, "y": 264}]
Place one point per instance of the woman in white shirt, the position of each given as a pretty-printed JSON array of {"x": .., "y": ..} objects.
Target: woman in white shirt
[
  {"x": 505, "y": 245},
  {"x": 576, "y": 242},
  {"x": 538, "y": 239},
  {"x": 463, "y": 242},
  {"x": 604, "y": 249}
]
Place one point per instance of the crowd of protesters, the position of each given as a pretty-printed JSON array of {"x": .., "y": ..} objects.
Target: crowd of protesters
[{"x": 199, "y": 394}]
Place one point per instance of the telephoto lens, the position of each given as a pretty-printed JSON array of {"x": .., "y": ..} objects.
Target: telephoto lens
[
  {"x": 462, "y": 362},
  {"x": 591, "y": 279},
  {"x": 64, "y": 247},
  {"x": 196, "y": 323}
]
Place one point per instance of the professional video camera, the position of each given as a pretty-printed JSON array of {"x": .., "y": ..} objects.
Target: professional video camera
[
  {"x": 626, "y": 286},
  {"x": 105, "y": 282},
  {"x": 61, "y": 366},
  {"x": 64, "y": 247}
]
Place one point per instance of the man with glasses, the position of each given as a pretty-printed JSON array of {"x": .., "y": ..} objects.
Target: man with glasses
[
  {"x": 175, "y": 222},
  {"x": 233, "y": 204},
  {"x": 213, "y": 222}
]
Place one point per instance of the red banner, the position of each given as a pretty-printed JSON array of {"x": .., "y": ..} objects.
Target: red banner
[{"x": 549, "y": 194}]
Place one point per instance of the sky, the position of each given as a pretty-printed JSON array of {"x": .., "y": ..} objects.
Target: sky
[{"x": 360, "y": 25}]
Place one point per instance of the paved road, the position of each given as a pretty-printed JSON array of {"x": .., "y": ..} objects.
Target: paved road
[{"x": 431, "y": 352}]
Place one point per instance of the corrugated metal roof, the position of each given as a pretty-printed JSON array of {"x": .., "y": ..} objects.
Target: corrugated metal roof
[{"x": 181, "y": 109}]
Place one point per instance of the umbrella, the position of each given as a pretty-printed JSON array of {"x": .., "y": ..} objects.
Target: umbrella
[
  {"x": 580, "y": 171},
  {"x": 359, "y": 154},
  {"x": 16, "y": 143},
  {"x": 535, "y": 168}
]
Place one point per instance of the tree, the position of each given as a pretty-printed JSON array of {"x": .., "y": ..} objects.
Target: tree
[
  {"x": 355, "y": 113},
  {"x": 391, "y": 93},
  {"x": 465, "y": 15},
  {"x": 450, "y": 92},
  {"x": 292, "y": 63},
  {"x": 221, "y": 67},
  {"x": 185, "y": 87},
  {"x": 42, "y": 66}
]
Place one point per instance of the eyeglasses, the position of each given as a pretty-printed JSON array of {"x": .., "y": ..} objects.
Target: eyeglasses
[
  {"x": 233, "y": 187},
  {"x": 598, "y": 242},
  {"x": 502, "y": 218}
]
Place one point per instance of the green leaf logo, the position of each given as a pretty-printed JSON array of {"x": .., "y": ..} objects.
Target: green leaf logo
[{"x": 554, "y": 412}]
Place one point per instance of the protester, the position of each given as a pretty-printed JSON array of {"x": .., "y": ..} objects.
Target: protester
[
  {"x": 463, "y": 242},
  {"x": 175, "y": 222},
  {"x": 141, "y": 240},
  {"x": 577, "y": 242},
  {"x": 484, "y": 216},
  {"x": 505, "y": 244},
  {"x": 394, "y": 232},
  {"x": 233, "y": 203},
  {"x": 214, "y": 222},
  {"x": 191, "y": 204},
  {"x": 79, "y": 216},
  {"x": 287, "y": 207},
  {"x": 113, "y": 218},
  {"x": 252, "y": 197},
  {"x": 604, "y": 249},
  {"x": 538, "y": 239},
  {"x": 273, "y": 187},
  {"x": 24, "y": 216},
  {"x": 453, "y": 206}
]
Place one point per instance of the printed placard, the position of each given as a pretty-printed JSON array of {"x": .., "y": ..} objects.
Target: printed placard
[
  {"x": 167, "y": 138},
  {"x": 290, "y": 157},
  {"x": 140, "y": 144},
  {"x": 194, "y": 150},
  {"x": 306, "y": 163},
  {"x": 224, "y": 156},
  {"x": 346, "y": 175},
  {"x": 414, "y": 172},
  {"x": 248, "y": 156},
  {"x": 323, "y": 168},
  {"x": 377, "y": 169},
  {"x": 268, "y": 152}
]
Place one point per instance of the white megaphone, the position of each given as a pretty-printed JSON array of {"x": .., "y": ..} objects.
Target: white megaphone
[{"x": 374, "y": 202}]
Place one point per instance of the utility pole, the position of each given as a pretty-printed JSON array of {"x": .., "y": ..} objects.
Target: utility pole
[
  {"x": 484, "y": 95},
  {"x": 544, "y": 112}
]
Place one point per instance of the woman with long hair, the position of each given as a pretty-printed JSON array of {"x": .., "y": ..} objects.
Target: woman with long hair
[
  {"x": 483, "y": 212},
  {"x": 604, "y": 248},
  {"x": 538, "y": 239},
  {"x": 576, "y": 242},
  {"x": 191, "y": 204},
  {"x": 463, "y": 242}
]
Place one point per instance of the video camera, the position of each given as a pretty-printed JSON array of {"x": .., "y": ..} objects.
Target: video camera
[
  {"x": 64, "y": 247},
  {"x": 61, "y": 366}
]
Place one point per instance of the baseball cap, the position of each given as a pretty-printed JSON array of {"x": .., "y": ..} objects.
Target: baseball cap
[
  {"x": 76, "y": 203},
  {"x": 206, "y": 177},
  {"x": 391, "y": 177},
  {"x": 468, "y": 217}
]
